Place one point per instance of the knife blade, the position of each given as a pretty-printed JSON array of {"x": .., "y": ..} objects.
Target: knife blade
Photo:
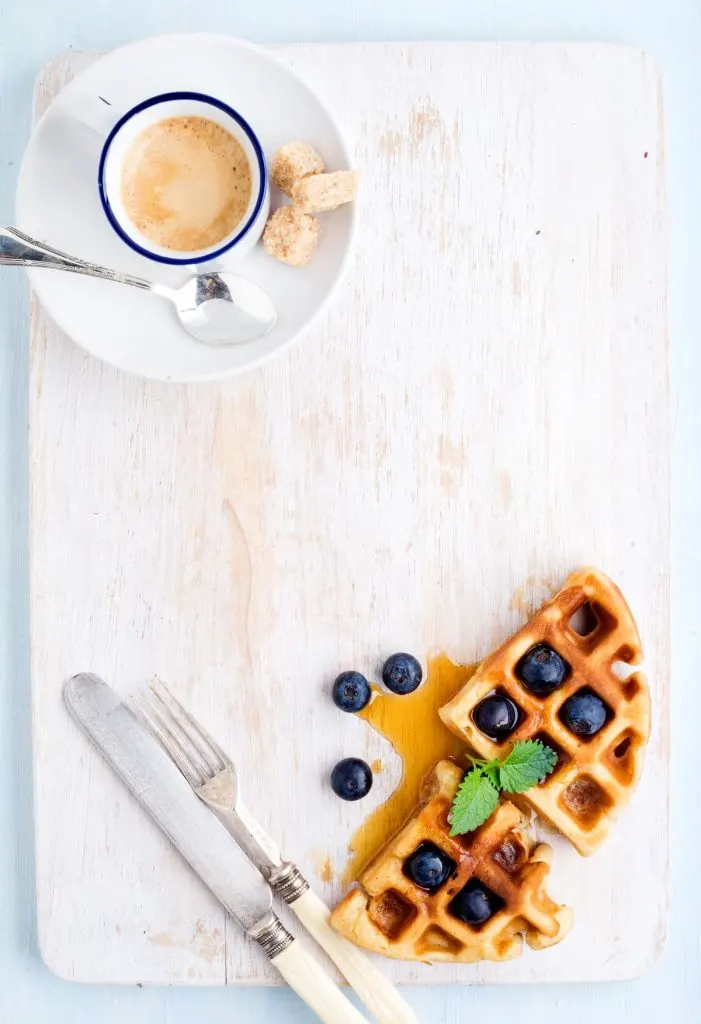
[{"x": 139, "y": 761}]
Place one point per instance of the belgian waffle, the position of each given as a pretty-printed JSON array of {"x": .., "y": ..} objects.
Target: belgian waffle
[
  {"x": 590, "y": 625},
  {"x": 392, "y": 916}
]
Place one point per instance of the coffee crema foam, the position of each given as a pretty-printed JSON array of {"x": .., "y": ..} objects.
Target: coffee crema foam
[{"x": 186, "y": 183}]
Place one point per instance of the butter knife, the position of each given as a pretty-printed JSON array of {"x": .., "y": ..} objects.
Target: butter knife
[{"x": 139, "y": 761}]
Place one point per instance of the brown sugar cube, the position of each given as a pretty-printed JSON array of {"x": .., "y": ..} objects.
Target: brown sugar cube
[
  {"x": 293, "y": 161},
  {"x": 291, "y": 236},
  {"x": 318, "y": 192}
]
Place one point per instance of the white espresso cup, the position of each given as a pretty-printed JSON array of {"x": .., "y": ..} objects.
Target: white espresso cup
[{"x": 120, "y": 136}]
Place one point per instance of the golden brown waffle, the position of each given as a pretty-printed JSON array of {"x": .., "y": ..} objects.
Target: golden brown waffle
[
  {"x": 594, "y": 777},
  {"x": 392, "y": 916}
]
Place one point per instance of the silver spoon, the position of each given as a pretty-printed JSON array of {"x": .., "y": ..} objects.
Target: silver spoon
[{"x": 216, "y": 308}]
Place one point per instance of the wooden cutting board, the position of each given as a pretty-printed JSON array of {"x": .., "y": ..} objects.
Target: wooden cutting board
[{"x": 482, "y": 409}]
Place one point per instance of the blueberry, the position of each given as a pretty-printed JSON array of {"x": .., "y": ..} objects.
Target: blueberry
[
  {"x": 542, "y": 670},
  {"x": 496, "y": 716},
  {"x": 584, "y": 713},
  {"x": 351, "y": 691},
  {"x": 351, "y": 779},
  {"x": 401, "y": 673},
  {"x": 428, "y": 867},
  {"x": 475, "y": 904}
]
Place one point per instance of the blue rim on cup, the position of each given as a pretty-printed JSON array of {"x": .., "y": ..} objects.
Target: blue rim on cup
[{"x": 252, "y": 214}]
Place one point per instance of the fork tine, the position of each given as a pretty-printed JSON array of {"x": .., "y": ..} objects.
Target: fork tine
[
  {"x": 187, "y": 739},
  {"x": 190, "y": 726},
  {"x": 168, "y": 739}
]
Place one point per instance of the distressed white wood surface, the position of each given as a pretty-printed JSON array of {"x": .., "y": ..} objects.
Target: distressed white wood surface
[{"x": 482, "y": 409}]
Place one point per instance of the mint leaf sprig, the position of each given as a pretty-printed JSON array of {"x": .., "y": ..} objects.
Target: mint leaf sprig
[
  {"x": 474, "y": 802},
  {"x": 529, "y": 762},
  {"x": 526, "y": 765}
]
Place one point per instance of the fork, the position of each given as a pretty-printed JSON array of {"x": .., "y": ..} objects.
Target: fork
[{"x": 212, "y": 775}]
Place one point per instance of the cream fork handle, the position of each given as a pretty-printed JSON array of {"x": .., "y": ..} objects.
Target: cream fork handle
[
  {"x": 311, "y": 983},
  {"x": 372, "y": 986},
  {"x": 376, "y": 991}
]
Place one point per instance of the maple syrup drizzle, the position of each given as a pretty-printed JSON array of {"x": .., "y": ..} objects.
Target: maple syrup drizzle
[{"x": 417, "y": 734}]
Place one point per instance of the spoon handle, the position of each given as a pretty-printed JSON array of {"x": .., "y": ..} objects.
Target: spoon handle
[{"x": 19, "y": 250}]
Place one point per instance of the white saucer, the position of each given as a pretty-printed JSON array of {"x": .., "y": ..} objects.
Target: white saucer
[{"x": 57, "y": 202}]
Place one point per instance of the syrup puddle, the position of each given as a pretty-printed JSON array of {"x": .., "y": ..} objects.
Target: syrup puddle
[{"x": 411, "y": 724}]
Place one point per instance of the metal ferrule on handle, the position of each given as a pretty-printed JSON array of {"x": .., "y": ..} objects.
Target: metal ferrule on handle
[
  {"x": 272, "y": 936},
  {"x": 289, "y": 883}
]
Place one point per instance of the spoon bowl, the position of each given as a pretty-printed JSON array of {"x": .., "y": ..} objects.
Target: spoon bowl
[{"x": 223, "y": 309}]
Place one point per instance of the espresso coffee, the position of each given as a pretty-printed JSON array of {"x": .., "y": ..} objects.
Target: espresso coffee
[{"x": 186, "y": 183}]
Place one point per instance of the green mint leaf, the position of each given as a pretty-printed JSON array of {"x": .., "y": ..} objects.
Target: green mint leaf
[
  {"x": 491, "y": 770},
  {"x": 528, "y": 763},
  {"x": 474, "y": 802}
]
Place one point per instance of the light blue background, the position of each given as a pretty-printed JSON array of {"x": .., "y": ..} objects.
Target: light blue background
[{"x": 31, "y": 32}]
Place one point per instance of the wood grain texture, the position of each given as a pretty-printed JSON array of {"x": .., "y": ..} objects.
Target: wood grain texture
[{"x": 482, "y": 409}]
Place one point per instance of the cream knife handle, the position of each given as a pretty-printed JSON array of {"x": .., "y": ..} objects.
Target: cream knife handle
[
  {"x": 313, "y": 985},
  {"x": 374, "y": 989}
]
